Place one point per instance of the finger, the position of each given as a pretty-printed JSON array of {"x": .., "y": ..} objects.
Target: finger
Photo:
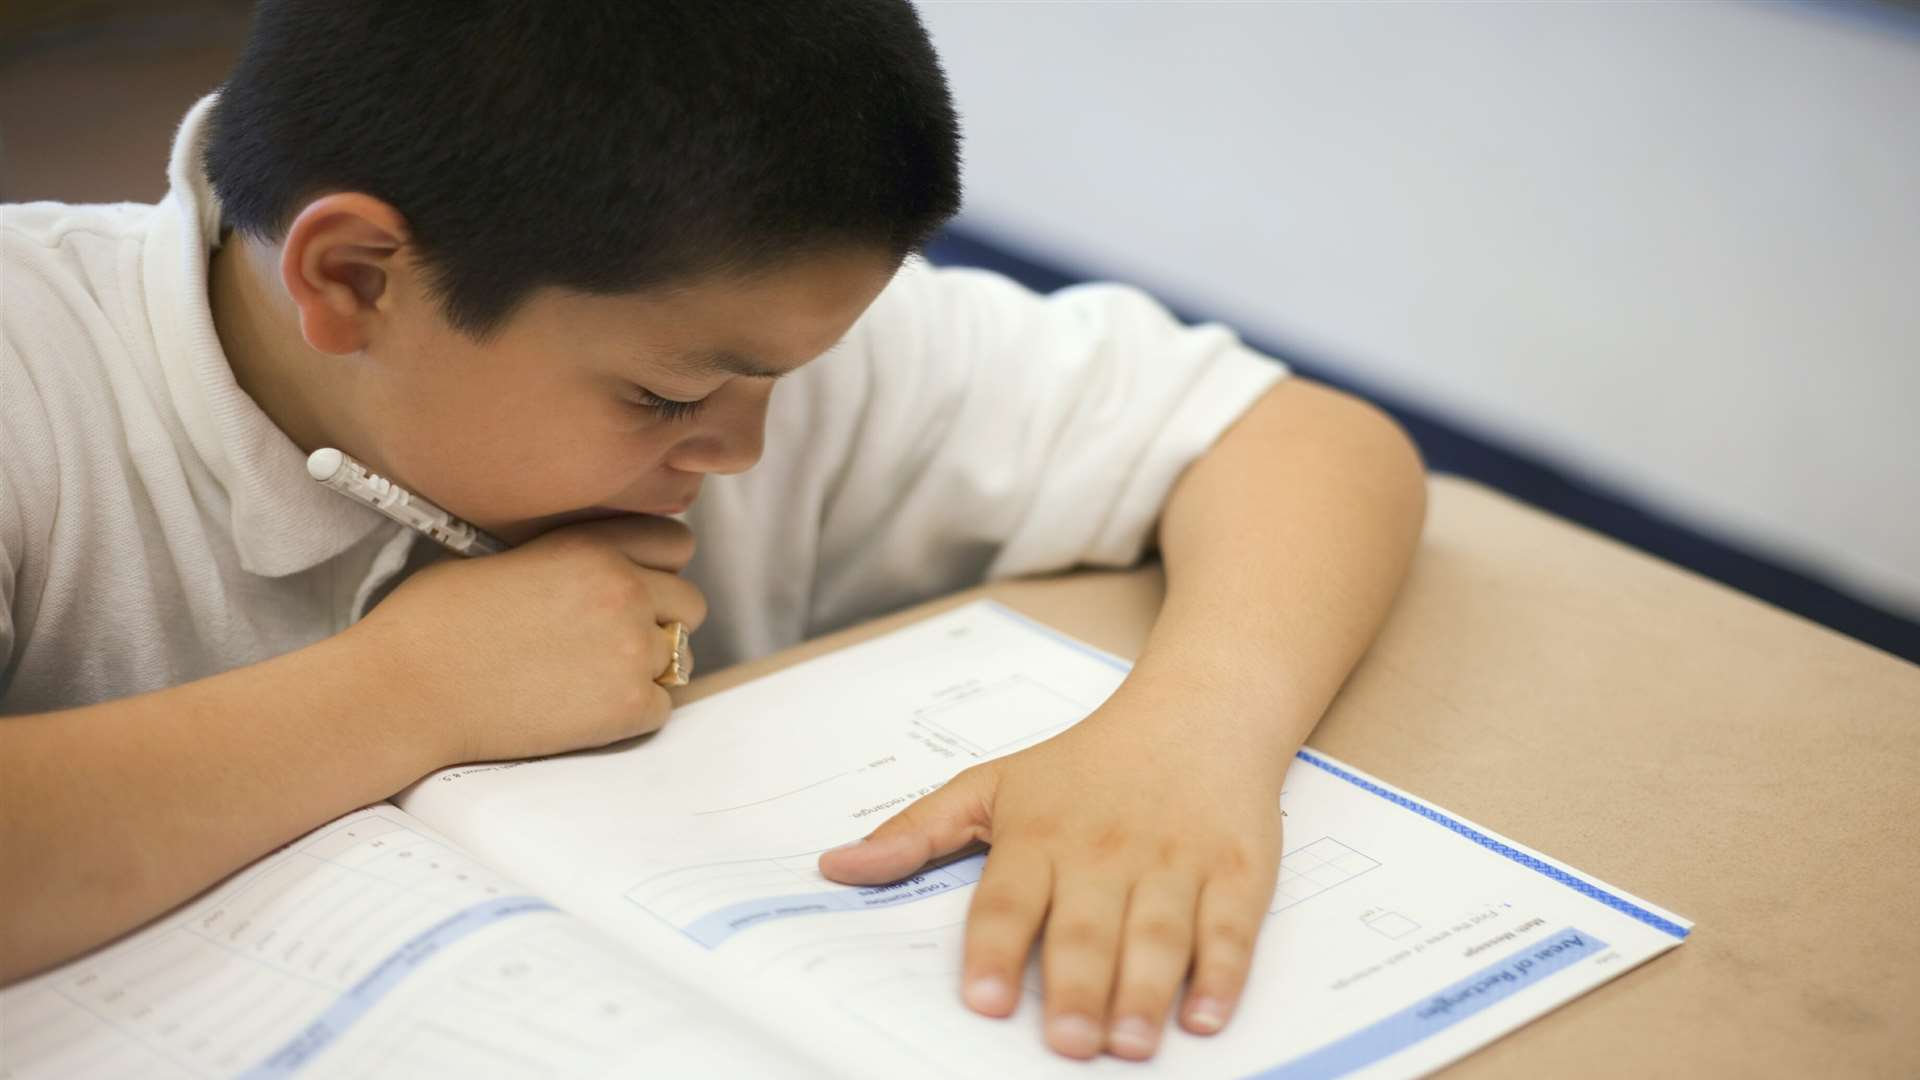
[
  {"x": 1156, "y": 946},
  {"x": 1078, "y": 958},
  {"x": 1003, "y": 918},
  {"x": 651, "y": 709},
  {"x": 946, "y": 820},
  {"x": 1228, "y": 923},
  {"x": 674, "y": 599},
  {"x": 658, "y": 543}
]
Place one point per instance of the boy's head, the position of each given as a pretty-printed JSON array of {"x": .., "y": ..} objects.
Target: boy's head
[{"x": 532, "y": 221}]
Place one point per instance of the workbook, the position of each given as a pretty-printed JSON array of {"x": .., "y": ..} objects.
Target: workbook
[{"x": 656, "y": 909}]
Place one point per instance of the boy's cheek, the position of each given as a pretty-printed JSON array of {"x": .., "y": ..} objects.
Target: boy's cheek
[{"x": 502, "y": 479}]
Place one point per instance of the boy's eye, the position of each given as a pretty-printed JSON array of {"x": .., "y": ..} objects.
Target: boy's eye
[{"x": 667, "y": 408}]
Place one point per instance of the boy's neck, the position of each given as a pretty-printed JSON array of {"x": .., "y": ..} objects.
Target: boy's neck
[{"x": 304, "y": 392}]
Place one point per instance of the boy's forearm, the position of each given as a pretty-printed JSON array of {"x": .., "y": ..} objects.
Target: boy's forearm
[
  {"x": 116, "y": 812},
  {"x": 1284, "y": 546}
]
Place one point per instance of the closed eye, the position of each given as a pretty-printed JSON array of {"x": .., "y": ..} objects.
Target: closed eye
[{"x": 668, "y": 409}]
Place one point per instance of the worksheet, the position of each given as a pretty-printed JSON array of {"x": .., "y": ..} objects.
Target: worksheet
[
  {"x": 375, "y": 947},
  {"x": 1399, "y": 936}
]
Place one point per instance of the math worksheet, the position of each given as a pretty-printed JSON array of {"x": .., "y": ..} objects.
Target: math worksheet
[{"x": 656, "y": 909}]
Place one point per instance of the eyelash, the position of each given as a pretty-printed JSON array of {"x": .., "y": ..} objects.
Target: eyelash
[{"x": 669, "y": 409}]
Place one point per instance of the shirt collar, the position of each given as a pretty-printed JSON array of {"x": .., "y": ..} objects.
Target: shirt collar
[{"x": 282, "y": 522}]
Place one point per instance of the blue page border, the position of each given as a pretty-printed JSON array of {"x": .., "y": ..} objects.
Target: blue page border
[{"x": 1540, "y": 866}]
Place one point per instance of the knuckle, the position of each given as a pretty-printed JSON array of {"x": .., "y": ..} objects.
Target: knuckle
[
  {"x": 629, "y": 653},
  {"x": 1226, "y": 943},
  {"x": 1109, "y": 841},
  {"x": 624, "y": 591},
  {"x": 1162, "y": 933},
  {"x": 1074, "y": 935},
  {"x": 1232, "y": 860}
]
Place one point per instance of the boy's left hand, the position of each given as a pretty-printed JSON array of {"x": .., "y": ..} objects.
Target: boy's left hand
[{"x": 1142, "y": 854}]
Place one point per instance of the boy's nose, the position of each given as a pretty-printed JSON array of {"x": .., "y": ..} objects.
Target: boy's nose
[
  {"x": 729, "y": 443},
  {"x": 722, "y": 456}
]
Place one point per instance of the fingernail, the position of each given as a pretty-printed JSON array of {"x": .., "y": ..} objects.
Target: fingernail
[
  {"x": 1074, "y": 1035},
  {"x": 1132, "y": 1037},
  {"x": 848, "y": 844},
  {"x": 1206, "y": 1015},
  {"x": 988, "y": 994}
]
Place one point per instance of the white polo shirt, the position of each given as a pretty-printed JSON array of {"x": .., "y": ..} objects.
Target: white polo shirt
[{"x": 157, "y": 527}]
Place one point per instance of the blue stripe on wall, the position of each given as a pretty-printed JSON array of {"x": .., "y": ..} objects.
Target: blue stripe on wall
[{"x": 1557, "y": 490}]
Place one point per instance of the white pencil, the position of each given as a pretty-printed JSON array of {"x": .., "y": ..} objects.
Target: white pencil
[{"x": 350, "y": 478}]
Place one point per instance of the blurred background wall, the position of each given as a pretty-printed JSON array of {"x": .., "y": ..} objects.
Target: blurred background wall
[
  {"x": 1673, "y": 248},
  {"x": 90, "y": 91},
  {"x": 1655, "y": 267}
]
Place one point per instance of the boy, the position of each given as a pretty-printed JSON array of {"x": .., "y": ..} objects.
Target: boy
[{"x": 543, "y": 264}]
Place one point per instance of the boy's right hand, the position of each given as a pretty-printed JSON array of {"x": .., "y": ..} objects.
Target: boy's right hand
[{"x": 549, "y": 647}]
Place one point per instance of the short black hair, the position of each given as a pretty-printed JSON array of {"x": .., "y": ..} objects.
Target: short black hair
[{"x": 602, "y": 145}]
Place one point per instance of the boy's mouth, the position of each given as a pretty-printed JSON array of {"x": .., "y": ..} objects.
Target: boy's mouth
[
  {"x": 666, "y": 509},
  {"x": 679, "y": 504}
]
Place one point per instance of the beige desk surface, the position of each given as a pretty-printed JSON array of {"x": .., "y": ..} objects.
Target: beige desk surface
[{"x": 1750, "y": 770}]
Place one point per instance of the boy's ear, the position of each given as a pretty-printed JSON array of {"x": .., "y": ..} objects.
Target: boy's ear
[{"x": 338, "y": 263}]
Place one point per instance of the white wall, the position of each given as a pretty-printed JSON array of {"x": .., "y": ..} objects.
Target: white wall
[{"x": 1676, "y": 247}]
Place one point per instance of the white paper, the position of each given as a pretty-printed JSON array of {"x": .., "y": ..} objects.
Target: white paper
[
  {"x": 370, "y": 947},
  {"x": 1399, "y": 938}
]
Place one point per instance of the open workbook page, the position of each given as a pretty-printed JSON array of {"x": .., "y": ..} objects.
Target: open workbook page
[
  {"x": 1399, "y": 937},
  {"x": 375, "y": 947}
]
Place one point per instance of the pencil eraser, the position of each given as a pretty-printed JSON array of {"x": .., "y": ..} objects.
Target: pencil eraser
[{"x": 324, "y": 462}]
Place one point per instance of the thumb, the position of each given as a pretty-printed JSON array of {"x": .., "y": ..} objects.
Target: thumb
[{"x": 944, "y": 821}]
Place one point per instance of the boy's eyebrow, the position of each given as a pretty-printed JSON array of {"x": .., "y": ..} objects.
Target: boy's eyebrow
[{"x": 727, "y": 362}]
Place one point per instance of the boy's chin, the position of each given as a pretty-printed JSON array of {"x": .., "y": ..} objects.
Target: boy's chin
[{"x": 519, "y": 532}]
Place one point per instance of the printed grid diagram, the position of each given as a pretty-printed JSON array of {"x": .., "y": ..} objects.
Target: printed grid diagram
[{"x": 1312, "y": 869}]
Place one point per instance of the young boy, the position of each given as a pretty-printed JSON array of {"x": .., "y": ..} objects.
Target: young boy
[{"x": 543, "y": 264}]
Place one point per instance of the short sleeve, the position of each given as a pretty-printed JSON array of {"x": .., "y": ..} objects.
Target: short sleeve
[
  {"x": 21, "y": 410},
  {"x": 1004, "y": 433},
  {"x": 12, "y": 545}
]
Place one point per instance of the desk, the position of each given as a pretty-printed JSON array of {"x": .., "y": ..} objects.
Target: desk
[{"x": 1753, "y": 771}]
